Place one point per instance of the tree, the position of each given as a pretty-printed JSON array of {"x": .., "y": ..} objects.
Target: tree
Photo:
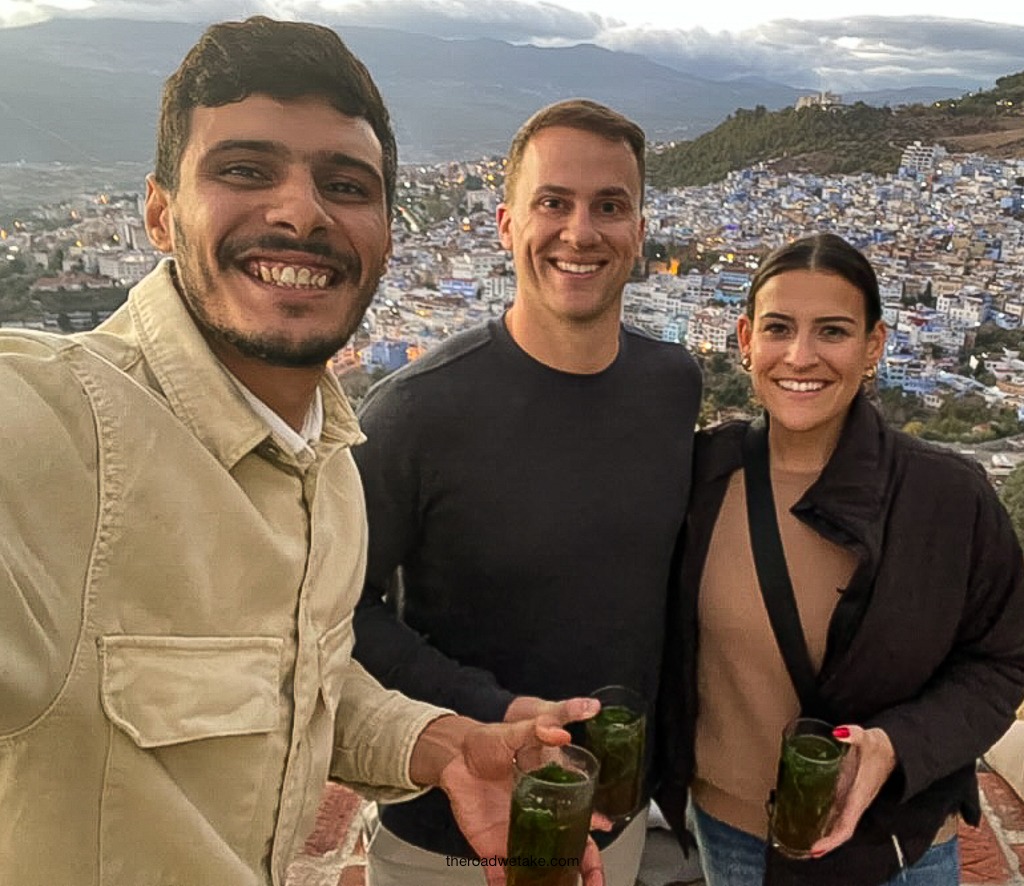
[{"x": 1012, "y": 496}]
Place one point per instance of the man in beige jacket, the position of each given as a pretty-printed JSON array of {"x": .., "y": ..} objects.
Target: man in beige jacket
[{"x": 182, "y": 529}]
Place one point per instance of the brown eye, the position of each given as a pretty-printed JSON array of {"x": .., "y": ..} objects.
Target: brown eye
[{"x": 242, "y": 171}]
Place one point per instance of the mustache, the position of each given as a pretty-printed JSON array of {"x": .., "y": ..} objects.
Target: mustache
[{"x": 347, "y": 264}]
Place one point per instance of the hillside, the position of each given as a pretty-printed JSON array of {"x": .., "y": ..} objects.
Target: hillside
[
  {"x": 848, "y": 139},
  {"x": 86, "y": 91}
]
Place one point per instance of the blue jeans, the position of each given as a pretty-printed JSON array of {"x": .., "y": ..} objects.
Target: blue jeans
[{"x": 732, "y": 857}]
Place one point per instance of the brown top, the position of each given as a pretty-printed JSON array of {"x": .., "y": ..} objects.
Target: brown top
[{"x": 744, "y": 691}]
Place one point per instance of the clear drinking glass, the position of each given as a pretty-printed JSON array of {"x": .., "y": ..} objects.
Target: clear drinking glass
[
  {"x": 809, "y": 766},
  {"x": 616, "y": 736},
  {"x": 550, "y": 818}
]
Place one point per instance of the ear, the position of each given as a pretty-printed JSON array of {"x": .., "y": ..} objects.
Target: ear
[
  {"x": 744, "y": 333},
  {"x": 159, "y": 224},
  {"x": 876, "y": 343},
  {"x": 641, "y": 235},
  {"x": 504, "y": 217}
]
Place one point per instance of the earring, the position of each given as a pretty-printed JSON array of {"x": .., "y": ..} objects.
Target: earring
[
  {"x": 870, "y": 373},
  {"x": 745, "y": 362}
]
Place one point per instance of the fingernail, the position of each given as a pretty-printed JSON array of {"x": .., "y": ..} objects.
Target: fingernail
[
  {"x": 816, "y": 853},
  {"x": 841, "y": 732}
]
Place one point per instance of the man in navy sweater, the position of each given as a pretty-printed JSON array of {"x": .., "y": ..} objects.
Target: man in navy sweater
[{"x": 527, "y": 479}]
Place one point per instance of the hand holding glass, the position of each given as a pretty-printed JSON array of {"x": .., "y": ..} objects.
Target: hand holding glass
[
  {"x": 805, "y": 793},
  {"x": 550, "y": 818}
]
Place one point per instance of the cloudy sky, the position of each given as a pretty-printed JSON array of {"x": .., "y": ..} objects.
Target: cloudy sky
[{"x": 844, "y": 45}]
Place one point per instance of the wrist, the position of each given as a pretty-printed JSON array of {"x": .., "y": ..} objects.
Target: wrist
[{"x": 438, "y": 744}]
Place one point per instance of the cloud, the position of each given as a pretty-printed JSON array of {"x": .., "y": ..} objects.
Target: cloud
[
  {"x": 515, "y": 21},
  {"x": 22, "y": 12},
  {"x": 165, "y": 10},
  {"x": 866, "y": 52},
  {"x": 844, "y": 54}
]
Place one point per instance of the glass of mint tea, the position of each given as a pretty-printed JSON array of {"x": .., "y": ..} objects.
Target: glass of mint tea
[
  {"x": 550, "y": 818},
  {"x": 616, "y": 736},
  {"x": 805, "y": 792}
]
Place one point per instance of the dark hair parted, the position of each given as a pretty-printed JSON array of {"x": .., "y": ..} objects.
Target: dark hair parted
[
  {"x": 822, "y": 252},
  {"x": 283, "y": 60},
  {"x": 576, "y": 113}
]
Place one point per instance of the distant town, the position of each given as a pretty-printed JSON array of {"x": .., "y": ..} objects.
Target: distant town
[{"x": 945, "y": 233}]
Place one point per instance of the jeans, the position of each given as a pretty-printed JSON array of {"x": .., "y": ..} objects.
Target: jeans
[{"x": 732, "y": 857}]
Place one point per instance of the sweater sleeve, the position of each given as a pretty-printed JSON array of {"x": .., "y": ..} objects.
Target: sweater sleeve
[
  {"x": 390, "y": 467},
  {"x": 971, "y": 700},
  {"x": 48, "y": 513}
]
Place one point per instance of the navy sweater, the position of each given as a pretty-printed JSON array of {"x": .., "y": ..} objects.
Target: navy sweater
[{"x": 534, "y": 515}]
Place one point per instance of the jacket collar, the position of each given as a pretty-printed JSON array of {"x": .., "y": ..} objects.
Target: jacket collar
[
  {"x": 846, "y": 502},
  {"x": 200, "y": 390}
]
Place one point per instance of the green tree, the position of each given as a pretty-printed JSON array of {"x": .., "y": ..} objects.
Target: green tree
[{"x": 1012, "y": 496}]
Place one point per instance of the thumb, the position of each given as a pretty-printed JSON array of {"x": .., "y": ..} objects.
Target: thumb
[{"x": 571, "y": 710}]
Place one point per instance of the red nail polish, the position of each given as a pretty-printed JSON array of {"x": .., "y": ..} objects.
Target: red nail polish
[{"x": 841, "y": 732}]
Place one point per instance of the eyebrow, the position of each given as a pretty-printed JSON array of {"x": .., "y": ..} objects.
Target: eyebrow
[
  {"x": 276, "y": 149},
  {"x": 838, "y": 318},
  {"x": 569, "y": 192}
]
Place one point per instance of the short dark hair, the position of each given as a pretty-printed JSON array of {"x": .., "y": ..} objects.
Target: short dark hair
[
  {"x": 283, "y": 60},
  {"x": 577, "y": 113},
  {"x": 822, "y": 252}
]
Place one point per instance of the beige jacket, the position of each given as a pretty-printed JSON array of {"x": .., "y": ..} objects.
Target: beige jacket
[{"x": 176, "y": 600}]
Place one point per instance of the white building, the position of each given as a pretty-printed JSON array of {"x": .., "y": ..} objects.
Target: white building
[{"x": 918, "y": 158}]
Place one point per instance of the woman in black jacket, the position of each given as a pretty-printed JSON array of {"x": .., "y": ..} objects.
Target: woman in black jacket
[{"x": 908, "y": 585}]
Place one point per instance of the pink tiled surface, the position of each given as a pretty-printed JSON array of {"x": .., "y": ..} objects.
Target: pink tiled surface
[
  {"x": 334, "y": 853},
  {"x": 993, "y": 854}
]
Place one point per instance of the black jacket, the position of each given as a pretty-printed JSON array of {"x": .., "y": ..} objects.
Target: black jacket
[{"x": 927, "y": 641}]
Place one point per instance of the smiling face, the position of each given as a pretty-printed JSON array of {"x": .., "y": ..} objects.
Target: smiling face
[
  {"x": 278, "y": 226},
  {"x": 809, "y": 349},
  {"x": 574, "y": 227}
]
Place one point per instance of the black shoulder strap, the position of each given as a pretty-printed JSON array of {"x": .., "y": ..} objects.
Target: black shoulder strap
[{"x": 772, "y": 574}]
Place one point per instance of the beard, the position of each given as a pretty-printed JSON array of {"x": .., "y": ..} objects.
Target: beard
[{"x": 197, "y": 286}]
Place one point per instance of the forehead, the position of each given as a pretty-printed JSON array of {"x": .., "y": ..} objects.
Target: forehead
[
  {"x": 807, "y": 293},
  {"x": 580, "y": 160},
  {"x": 301, "y": 126}
]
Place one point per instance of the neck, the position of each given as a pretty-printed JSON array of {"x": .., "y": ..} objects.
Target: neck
[
  {"x": 801, "y": 451},
  {"x": 582, "y": 348},
  {"x": 288, "y": 390}
]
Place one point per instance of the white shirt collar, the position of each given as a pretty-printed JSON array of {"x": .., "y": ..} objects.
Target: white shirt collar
[{"x": 297, "y": 443}]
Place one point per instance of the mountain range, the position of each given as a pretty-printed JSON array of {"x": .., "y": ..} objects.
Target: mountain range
[{"x": 86, "y": 91}]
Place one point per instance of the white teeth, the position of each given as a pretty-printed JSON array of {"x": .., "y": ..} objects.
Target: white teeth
[
  {"x": 572, "y": 268},
  {"x": 801, "y": 387},
  {"x": 290, "y": 275}
]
